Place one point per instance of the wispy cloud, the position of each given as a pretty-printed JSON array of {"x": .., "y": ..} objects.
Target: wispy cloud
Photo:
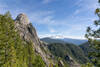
[
  {"x": 46, "y": 18},
  {"x": 47, "y": 1},
  {"x": 78, "y": 2},
  {"x": 85, "y": 6},
  {"x": 42, "y": 17},
  {"x": 3, "y": 7}
]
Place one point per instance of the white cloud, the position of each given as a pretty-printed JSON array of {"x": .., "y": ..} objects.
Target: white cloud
[{"x": 60, "y": 36}]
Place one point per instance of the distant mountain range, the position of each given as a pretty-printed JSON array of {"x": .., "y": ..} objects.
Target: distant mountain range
[
  {"x": 74, "y": 41},
  {"x": 71, "y": 50},
  {"x": 63, "y": 40},
  {"x": 52, "y": 40}
]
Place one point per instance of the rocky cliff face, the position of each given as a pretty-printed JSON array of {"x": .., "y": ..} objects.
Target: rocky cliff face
[
  {"x": 28, "y": 34},
  {"x": 26, "y": 30}
]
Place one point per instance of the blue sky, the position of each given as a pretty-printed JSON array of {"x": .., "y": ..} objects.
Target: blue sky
[{"x": 67, "y": 18}]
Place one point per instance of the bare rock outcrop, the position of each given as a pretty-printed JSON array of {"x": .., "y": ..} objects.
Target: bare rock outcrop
[{"x": 28, "y": 33}]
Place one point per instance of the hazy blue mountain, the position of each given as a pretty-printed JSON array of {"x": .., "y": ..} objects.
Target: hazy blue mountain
[
  {"x": 51, "y": 40},
  {"x": 63, "y": 40},
  {"x": 74, "y": 41}
]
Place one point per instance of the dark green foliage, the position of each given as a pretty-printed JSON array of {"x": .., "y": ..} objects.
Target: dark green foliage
[
  {"x": 14, "y": 52},
  {"x": 77, "y": 53},
  {"x": 87, "y": 65},
  {"x": 38, "y": 62},
  {"x": 65, "y": 50},
  {"x": 86, "y": 48},
  {"x": 57, "y": 50},
  {"x": 7, "y": 14},
  {"x": 93, "y": 36}
]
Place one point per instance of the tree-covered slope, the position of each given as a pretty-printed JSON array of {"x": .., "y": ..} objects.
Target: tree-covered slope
[
  {"x": 87, "y": 48},
  {"x": 68, "y": 52},
  {"x": 14, "y": 52}
]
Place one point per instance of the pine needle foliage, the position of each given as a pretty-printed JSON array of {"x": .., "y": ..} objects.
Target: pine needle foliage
[
  {"x": 14, "y": 52},
  {"x": 93, "y": 36}
]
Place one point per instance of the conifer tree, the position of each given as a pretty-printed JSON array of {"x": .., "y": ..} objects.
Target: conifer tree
[
  {"x": 93, "y": 36},
  {"x": 14, "y": 52}
]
